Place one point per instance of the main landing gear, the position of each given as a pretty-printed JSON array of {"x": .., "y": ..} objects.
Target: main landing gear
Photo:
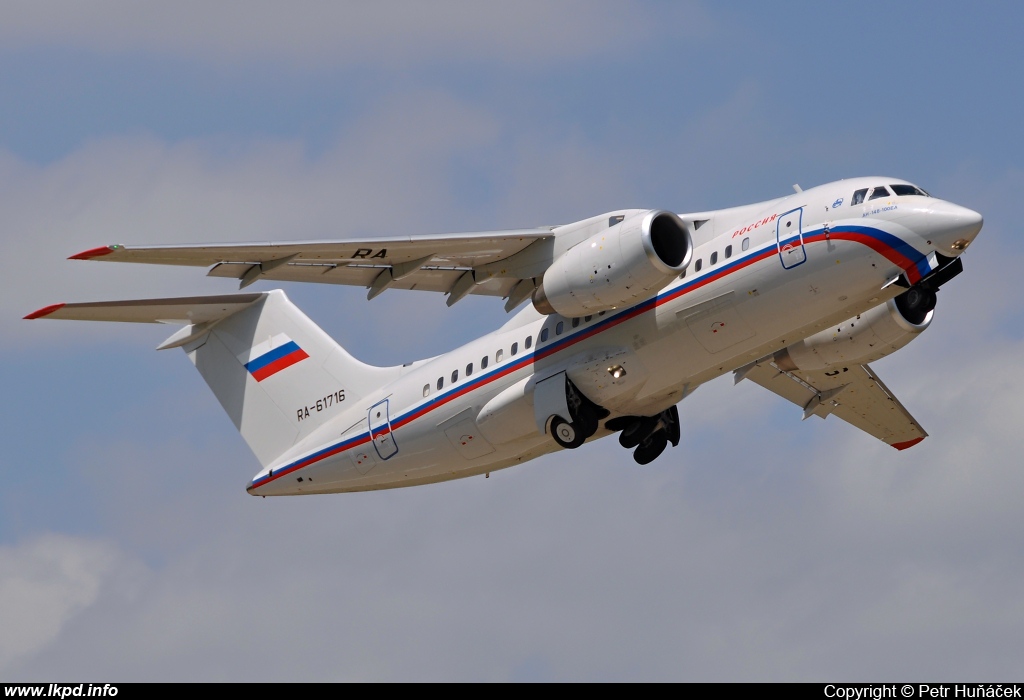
[
  {"x": 650, "y": 435},
  {"x": 647, "y": 436},
  {"x": 585, "y": 419}
]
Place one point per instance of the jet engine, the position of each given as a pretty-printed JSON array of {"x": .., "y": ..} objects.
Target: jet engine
[
  {"x": 622, "y": 265},
  {"x": 865, "y": 338}
]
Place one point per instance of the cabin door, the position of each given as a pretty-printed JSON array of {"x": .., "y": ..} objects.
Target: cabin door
[
  {"x": 380, "y": 430},
  {"x": 790, "y": 238}
]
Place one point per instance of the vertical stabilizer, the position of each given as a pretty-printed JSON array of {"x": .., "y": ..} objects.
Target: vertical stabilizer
[{"x": 278, "y": 375}]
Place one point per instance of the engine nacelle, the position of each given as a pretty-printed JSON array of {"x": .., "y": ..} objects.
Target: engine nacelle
[
  {"x": 859, "y": 340},
  {"x": 623, "y": 265}
]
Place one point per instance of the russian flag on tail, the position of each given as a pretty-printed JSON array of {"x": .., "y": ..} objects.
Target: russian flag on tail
[{"x": 285, "y": 352}]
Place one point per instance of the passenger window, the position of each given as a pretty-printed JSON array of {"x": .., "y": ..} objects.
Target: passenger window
[
  {"x": 483, "y": 362},
  {"x": 455, "y": 376},
  {"x": 469, "y": 370},
  {"x": 529, "y": 342},
  {"x": 878, "y": 193},
  {"x": 697, "y": 265},
  {"x": 543, "y": 334},
  {"x": 586, "y": 319},
  {"x": 515, "y": 349},
  {"x": 559, "y": 327},
  {"x": 575, "y": 322},
  {"x": 858, "y": 196},
  {"x": 600, "y": 313},
  {"x": 745, "y": 244},
  {"x": 498, "y": 355},
  {"x": 440, "y": 383},
  {"x": 728, "y": 252},
  {"x": 426, "y": 390},
  {"x": 714, "y": 258}
]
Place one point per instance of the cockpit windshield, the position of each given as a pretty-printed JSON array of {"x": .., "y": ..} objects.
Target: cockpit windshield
[
  {"x": 904, "y": 190},
  {"x": 880, "y": 191}
]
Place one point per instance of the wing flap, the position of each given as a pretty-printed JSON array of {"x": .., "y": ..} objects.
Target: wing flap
[
  {"x": 431, "y": 279},
  {"x": 855, "y": 394},
  {"x": 185, "y": 310}
]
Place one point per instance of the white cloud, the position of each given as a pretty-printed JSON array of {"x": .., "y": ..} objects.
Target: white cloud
[{"x": 44, "y": 583}]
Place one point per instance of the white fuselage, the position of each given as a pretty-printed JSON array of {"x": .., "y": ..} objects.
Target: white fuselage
[{"x": 761, "y": 277}]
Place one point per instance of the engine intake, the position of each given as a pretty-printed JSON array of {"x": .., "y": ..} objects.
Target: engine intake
[{"x": 625, "y": 264}]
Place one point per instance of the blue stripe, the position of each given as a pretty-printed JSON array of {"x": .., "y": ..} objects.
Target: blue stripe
[
  {"x": 895, "y": 242},
  {"x": 272, "y": 356}
]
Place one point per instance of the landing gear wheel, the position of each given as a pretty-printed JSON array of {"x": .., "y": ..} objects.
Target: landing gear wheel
[
  {"x": 567, "y": 435},
  {"x": 620, "y": 423},
  {"x": 651, "y": 448},
  {"x": 634, "y": 434}
]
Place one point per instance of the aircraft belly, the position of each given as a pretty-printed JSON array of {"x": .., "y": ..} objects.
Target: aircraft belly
[{"x": 735, "y": 321}]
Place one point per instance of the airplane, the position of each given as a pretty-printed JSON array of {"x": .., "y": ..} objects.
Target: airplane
[{"x": 632, "y": 310}]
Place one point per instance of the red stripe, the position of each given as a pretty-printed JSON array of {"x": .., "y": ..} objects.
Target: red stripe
[
  {"x": 93, "y": 253},
  {"x": 45, "y": 311},
  {"x": 306, "y": 462},
  {"x": 279, "y": 364},
  {"x": 892, "y": 255},
  {"x": 908, "y": 443}
]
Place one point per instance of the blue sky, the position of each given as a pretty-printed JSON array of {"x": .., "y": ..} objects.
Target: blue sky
[{"x": 763, "y": 548}]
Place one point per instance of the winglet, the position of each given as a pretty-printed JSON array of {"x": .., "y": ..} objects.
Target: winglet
[
  {"x": 45, "y": 311},
  {"x": 908, "y": 443},
  {"x": 95, "y": 252}
]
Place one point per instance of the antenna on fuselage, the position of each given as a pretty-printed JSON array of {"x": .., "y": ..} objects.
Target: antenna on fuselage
[{"x": 797, "y": 188}]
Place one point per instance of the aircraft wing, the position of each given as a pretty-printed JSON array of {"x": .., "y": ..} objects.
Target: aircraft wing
[
  {"x": 854, "y": 393},
  {"x": 437, "y": 263}
]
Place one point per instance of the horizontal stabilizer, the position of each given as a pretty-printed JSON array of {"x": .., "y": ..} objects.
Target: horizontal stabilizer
[
  {"x": 278, "y": 376},
  {"x": 185, "y": 310}
]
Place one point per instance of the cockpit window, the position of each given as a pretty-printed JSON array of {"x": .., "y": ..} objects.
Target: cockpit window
[
  {"x": 904, "y": 190},
  {"x": 879, "y": 192},
  {"x": 858, "y": 196}
]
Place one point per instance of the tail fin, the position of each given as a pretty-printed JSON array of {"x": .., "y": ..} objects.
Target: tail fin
[{"x": 275, "y": 372}]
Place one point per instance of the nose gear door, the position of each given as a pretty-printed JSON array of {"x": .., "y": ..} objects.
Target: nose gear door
[
  {"x": 380, "y": 430},
  {"x": 790, "y": 238}
]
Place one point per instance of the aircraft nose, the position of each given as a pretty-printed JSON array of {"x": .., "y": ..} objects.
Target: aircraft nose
[{"x": 955, "y": 227}]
